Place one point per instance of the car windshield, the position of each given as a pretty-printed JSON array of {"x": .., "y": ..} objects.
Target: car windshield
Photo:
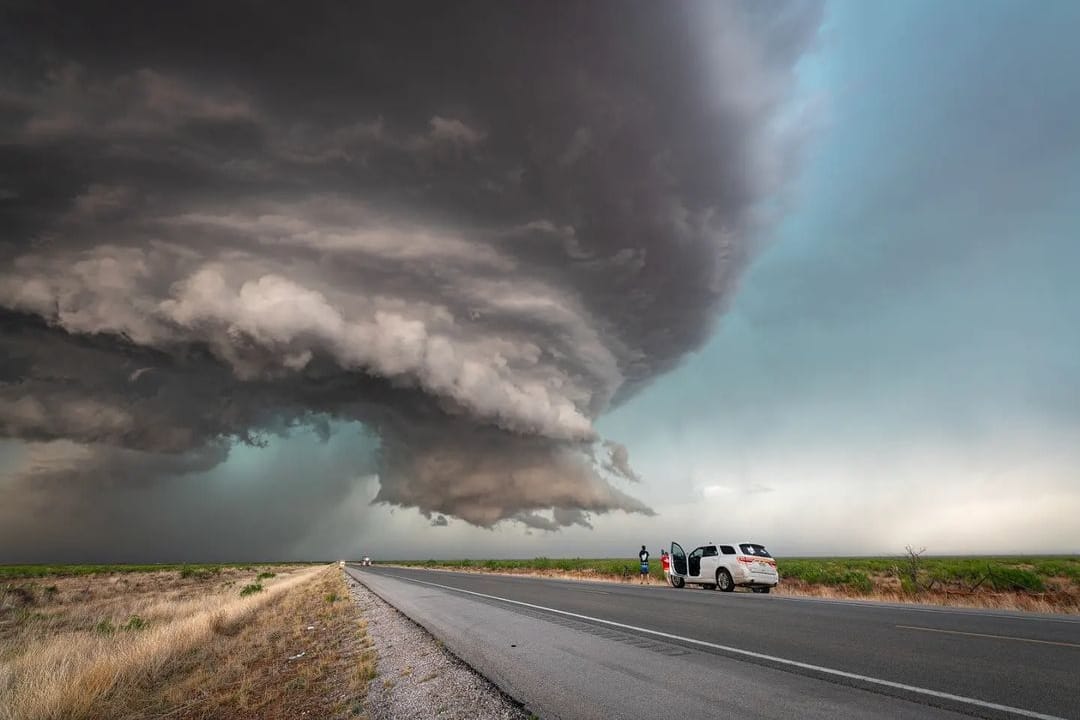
[{"x": 759, "y": 550}]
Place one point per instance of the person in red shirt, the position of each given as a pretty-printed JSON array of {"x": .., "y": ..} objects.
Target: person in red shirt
[{"x": 665, "y": 563}]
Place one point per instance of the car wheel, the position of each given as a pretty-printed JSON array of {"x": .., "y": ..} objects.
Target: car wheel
[
  {"x": 678, "y": 582},
  {"x": 762, "y": 590},
  {"x": 724, "y": 581}
]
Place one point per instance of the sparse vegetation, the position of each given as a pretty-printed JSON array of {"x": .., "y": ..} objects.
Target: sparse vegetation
[
  {"x": 135, "y": 623},
  {"x": 916, "y": 573},
  {"x": 186, "y": 570},
  {"x": 264, "y": 576},
  {"x": 156, "y": 645},
  {"x": 251, "y": 589},
  {"x": 200, "y": 573}
]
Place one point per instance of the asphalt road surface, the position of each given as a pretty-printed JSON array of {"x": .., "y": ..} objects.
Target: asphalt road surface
[{"x": 596, "y": 650}]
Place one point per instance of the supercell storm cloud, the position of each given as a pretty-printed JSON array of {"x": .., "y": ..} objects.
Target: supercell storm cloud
[{"x": 471, "y": 227}]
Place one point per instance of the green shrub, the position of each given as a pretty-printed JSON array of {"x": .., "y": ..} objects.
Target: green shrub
[
  {"x": 332, "y": 598},
  {"x": 251, "y": 589},
  {"x": 105, "y": 627},
  {"x": 1009, "y": 578},
  {"x": 135, "y": 623},
  {"x": 855, "y": 580},
  {"x": 199, "y": 573},
  {"x": 818, "y": 572},
  {"x": 1067, "y": 567},
  {"x": 265, "y": 576}
]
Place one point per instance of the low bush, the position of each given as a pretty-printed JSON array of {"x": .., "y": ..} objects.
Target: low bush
[
  {"x": 251, "y": 589},
  {"x": 18, "y": 595},
  {"x": 1008, "y": 578},
  {"x": 835, "y": 574},
  {"x": 135, "y": 623},
  {"x": 200, "y": 572}
]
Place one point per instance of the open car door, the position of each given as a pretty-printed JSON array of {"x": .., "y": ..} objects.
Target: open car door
[{"x": 678, "y": 565}]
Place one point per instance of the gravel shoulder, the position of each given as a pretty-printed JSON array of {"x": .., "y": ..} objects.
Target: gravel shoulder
[{"x": 416, "y": 677}]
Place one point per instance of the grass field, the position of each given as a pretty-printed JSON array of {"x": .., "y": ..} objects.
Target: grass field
[
  {"x": 1030, "y": 574},
  {"x": 187, "y": 569},
  {"x": 188, "y": 642},
  {"x": 1024, "y": 582}
]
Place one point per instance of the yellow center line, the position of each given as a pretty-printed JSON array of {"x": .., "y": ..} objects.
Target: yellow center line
[{"x": 985, "y": 635}]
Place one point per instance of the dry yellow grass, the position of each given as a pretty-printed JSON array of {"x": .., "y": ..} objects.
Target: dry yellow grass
[
  {"x": 1060, "y": 603},
  {"x": 196, "y": 650},
  {"x": 31, "y": 610}
]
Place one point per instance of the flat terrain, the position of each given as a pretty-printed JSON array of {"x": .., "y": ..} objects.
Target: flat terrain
[
  {"x": 183, "y": 642},
  {"x": 18, "y": 572},
  {"x": 1036, "y": 583},
  {"x": 576, "y": 649}
]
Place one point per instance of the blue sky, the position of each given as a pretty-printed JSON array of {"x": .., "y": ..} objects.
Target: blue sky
[{"x": 910, "y": 338}]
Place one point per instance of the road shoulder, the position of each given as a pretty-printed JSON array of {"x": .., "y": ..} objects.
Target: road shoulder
[
  {"x": 417, "y": 677},
  {"x": 559, "y": 667}
]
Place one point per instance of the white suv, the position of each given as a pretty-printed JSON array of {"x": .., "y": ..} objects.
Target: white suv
[{"x": 743, "y": 564}]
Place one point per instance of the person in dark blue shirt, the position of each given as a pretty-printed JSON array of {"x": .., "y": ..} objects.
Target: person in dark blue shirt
[{"x": 643, "y": 556}]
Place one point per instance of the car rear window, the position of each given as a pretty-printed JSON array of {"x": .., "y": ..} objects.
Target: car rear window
[{"x": 759, "y": 550}]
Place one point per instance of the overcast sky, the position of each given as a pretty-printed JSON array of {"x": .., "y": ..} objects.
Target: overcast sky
[{"x": 494, "y": 281}]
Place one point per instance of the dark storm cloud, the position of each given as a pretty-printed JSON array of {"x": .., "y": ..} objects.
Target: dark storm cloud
[{"x": 472, "y": 228}]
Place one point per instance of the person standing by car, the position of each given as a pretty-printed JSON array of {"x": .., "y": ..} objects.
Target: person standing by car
[
  {"x": 643, "y": 556},
  {"x": 665, "y": 564}
]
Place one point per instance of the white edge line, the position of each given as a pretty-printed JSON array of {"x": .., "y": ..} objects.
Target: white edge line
[
  {"x": 750, "y": 653},
  {"x": 972, "y": 612},
  {"x": 988, "y": 635},
  {"x": 871, "y": 604}
]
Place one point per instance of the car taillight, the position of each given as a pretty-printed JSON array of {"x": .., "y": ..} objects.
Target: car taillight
[{"x": 745, "y": 560}]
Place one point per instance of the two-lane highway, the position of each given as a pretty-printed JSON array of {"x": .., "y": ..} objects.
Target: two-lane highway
[{"x": 578, "y": 649}]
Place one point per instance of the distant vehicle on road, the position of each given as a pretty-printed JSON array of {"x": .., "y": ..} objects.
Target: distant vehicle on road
[
  {"x": 366, "y": 562},
  {"x": 726, "y": 567}
]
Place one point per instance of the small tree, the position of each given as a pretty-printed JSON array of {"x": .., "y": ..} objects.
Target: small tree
[{"x": 911, "y": 573}]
